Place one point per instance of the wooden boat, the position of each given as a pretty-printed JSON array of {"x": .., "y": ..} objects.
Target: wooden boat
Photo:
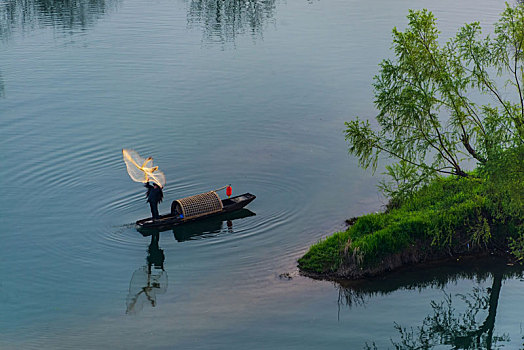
[
  {"x": 200, "y": 228},
  {"x": 198, "y": 207}
]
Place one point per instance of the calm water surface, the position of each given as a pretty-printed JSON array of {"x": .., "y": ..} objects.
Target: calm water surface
[{"x": 252, "y": 93}]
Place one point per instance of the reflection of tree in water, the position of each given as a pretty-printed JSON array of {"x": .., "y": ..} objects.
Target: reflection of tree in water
[
  {"x": 223, "y": 20},
  {"x": 2, "y": 87},
  {"x": 472, "y": 328},
  {"x": 461, "y": 330},
  {"x": 67, "y": 15}
]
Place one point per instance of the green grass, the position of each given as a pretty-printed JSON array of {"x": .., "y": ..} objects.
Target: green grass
[{"x": 450, "y": 213}]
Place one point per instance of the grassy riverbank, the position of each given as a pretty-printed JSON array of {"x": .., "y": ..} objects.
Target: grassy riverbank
[{"x": 449, "y": 217}]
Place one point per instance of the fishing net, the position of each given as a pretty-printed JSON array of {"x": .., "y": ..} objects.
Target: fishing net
[
  {"x": 144, "y": 287},
  {"x": 142, "y": 169}
]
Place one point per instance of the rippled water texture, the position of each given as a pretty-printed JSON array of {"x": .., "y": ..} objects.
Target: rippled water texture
[{"x": 248, "y": 93}]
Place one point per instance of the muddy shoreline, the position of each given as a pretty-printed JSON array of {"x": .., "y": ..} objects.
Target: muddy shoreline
[{"x": 417, "y": 256}]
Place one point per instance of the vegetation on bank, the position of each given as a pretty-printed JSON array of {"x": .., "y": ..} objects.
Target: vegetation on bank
[
  {"x": 450, "y": 216},
  {"x": 440, "y": 107}
]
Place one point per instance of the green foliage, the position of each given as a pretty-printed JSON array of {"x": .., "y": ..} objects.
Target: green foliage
[
  {"x": 428, "y": 120},
  {"x": 505, "y": 188},
  {"x": 516, "y": 245},
  {"x": 393, "y": 238},
  {"x": 325, "y": 255},
  {"x": 404, "y": 181},
  {"x": 505, "y": 176}
]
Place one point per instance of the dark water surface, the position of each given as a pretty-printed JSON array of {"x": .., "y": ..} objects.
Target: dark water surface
[{"x": 252, "y": 93}]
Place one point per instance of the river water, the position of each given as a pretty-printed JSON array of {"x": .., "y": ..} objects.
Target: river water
[{"x": 248, "y": 93}]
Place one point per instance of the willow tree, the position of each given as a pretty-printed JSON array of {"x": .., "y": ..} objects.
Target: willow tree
[{"x": 444, "y": 106}]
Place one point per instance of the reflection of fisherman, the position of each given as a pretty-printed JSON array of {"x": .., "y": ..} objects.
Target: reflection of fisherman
[
  {"x": 154, "y": 196},
  {"x": 155, "y": 256},
  {"x": 145, "y": 285}
]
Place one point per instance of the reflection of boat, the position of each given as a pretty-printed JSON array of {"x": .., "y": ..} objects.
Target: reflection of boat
[
  {"x": 195, "y": 208},
  {"x": 209, "y": 225}
]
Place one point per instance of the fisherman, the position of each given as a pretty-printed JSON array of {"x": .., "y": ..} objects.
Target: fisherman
[{"x": 154, "y": 196}]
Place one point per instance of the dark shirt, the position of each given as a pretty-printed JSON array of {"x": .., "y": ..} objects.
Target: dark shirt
[{"x": 154, "y": 194}]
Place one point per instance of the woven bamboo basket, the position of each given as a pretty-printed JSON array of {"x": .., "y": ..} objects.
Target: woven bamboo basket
[{"x": 197, "y": 205}]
